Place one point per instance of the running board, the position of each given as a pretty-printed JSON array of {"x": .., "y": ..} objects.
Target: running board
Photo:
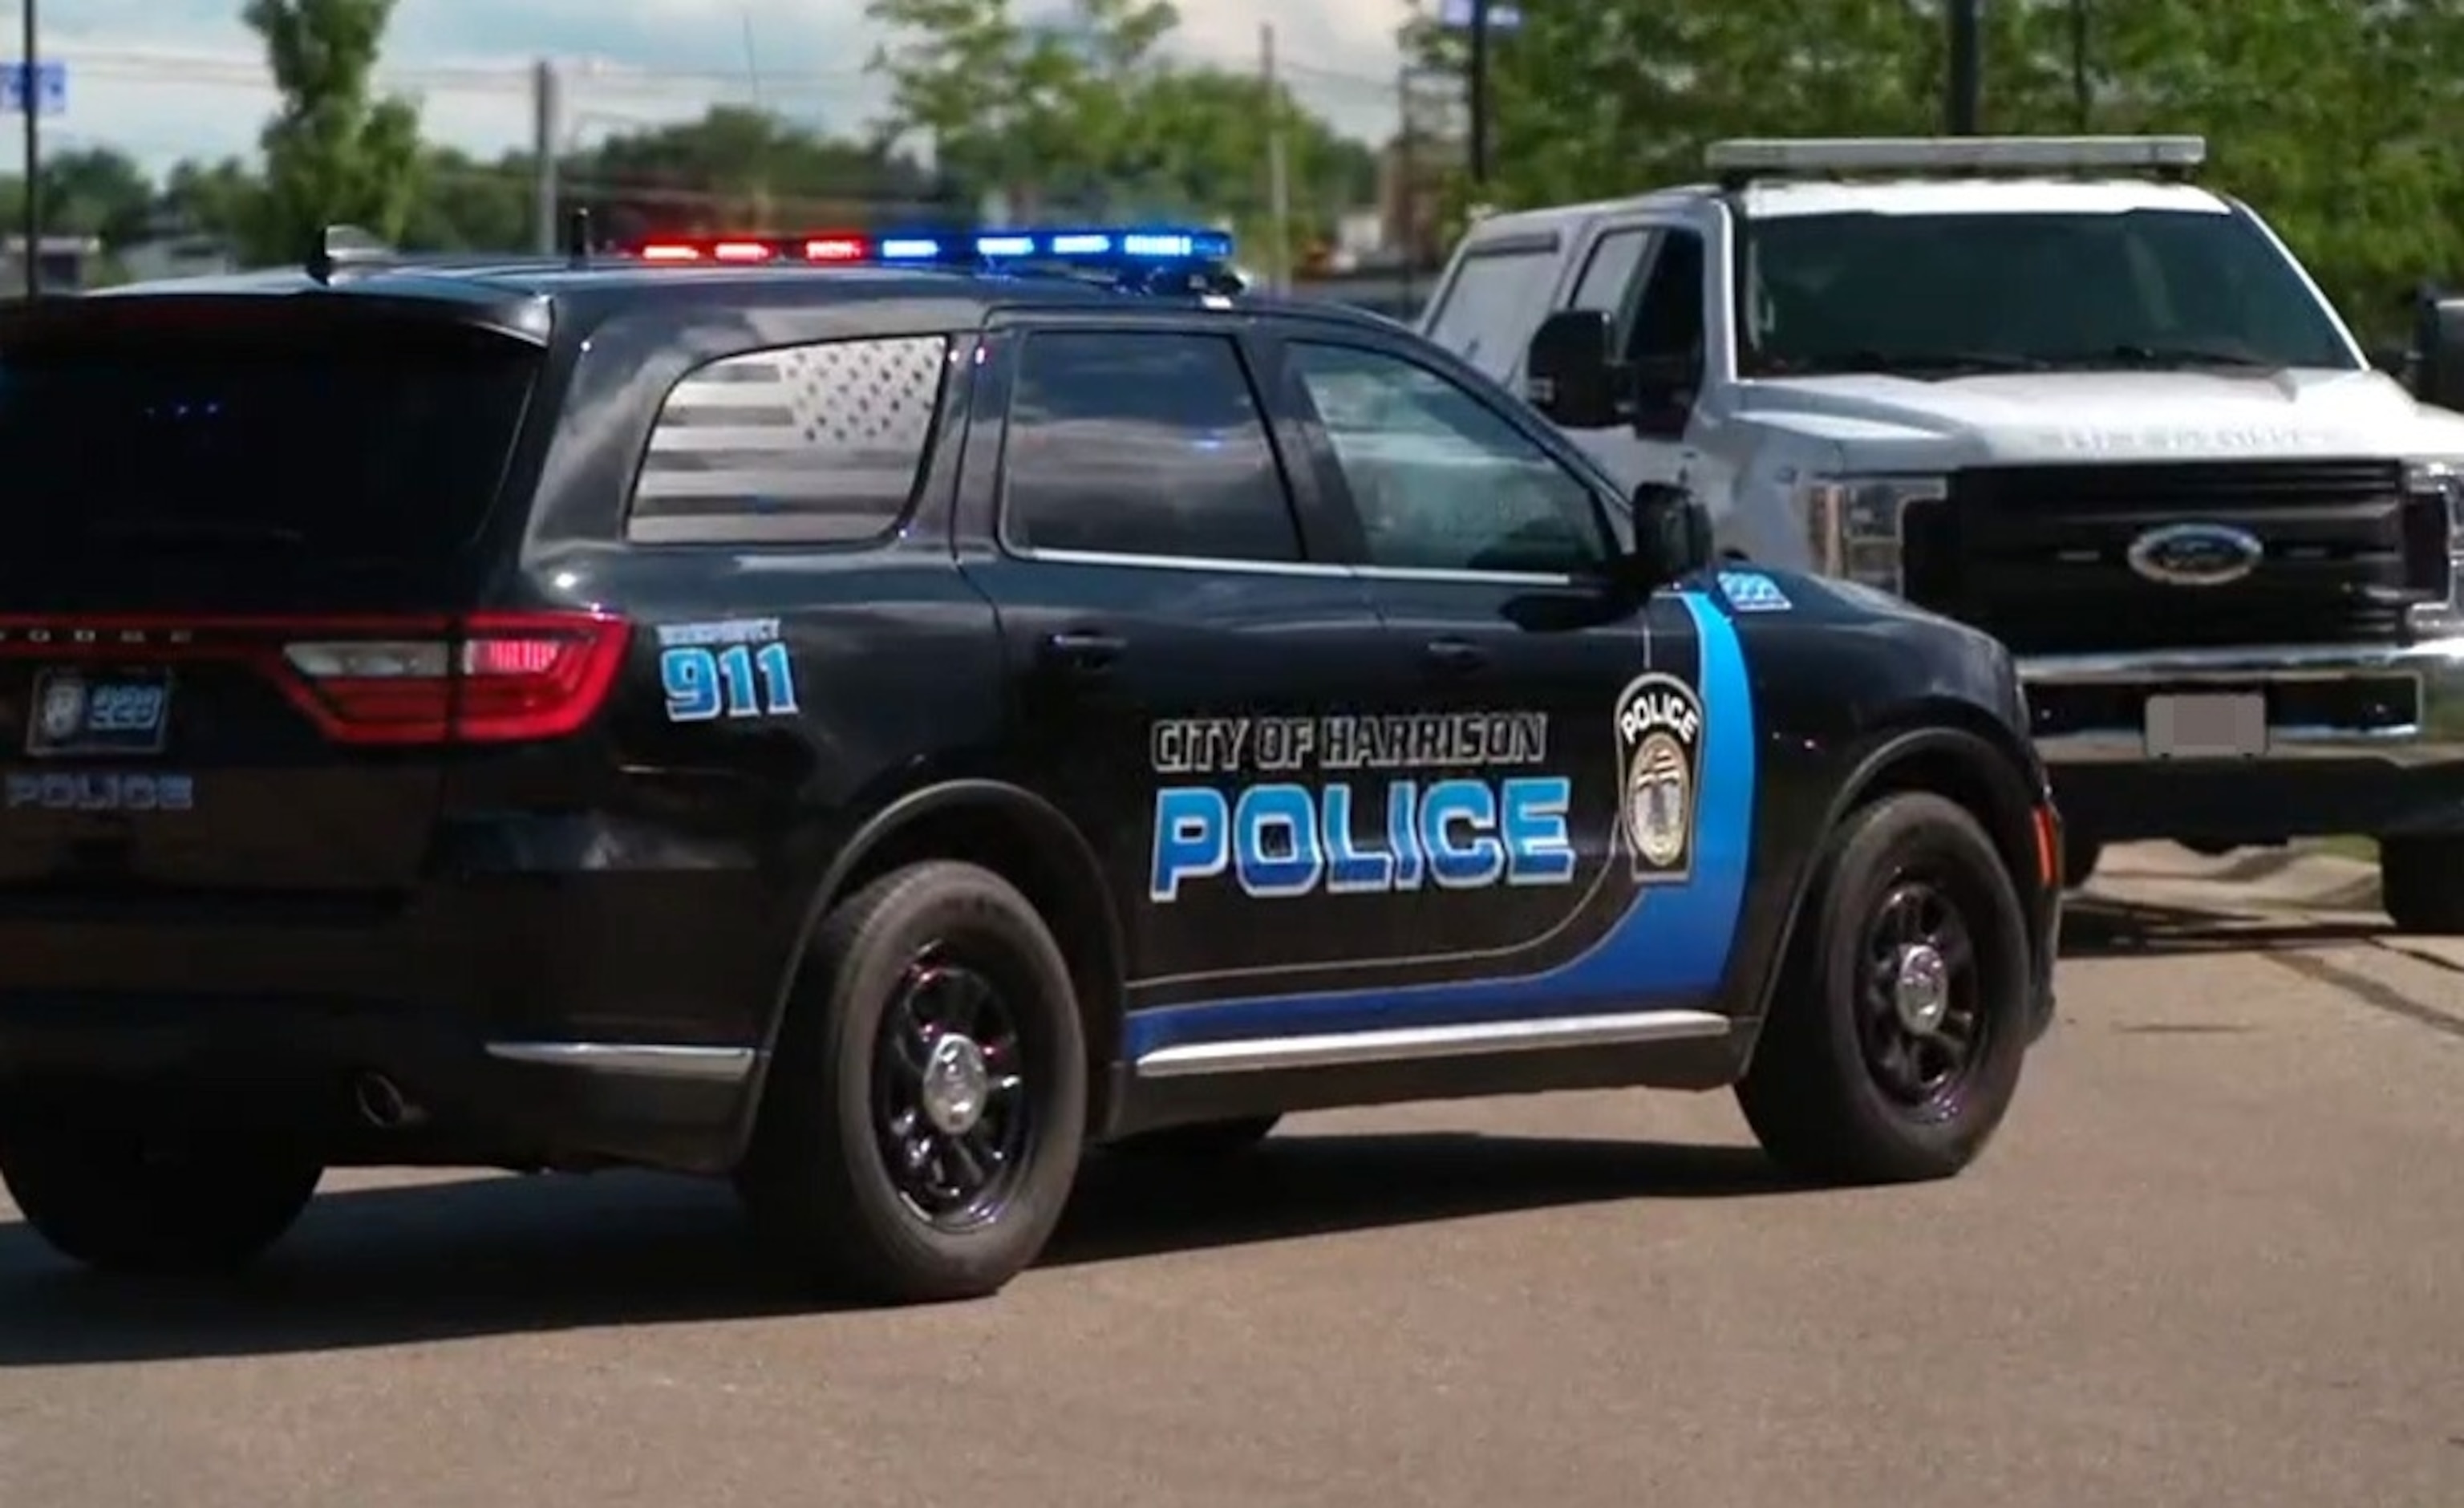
[{"x": 1408, "y": 1044}]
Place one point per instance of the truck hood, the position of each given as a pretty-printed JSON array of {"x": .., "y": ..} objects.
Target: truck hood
[{"x": 1879, "y": 423}]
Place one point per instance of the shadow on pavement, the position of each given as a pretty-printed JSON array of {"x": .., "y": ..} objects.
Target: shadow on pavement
[
  {"x": 2096, "y": 928},
  {"x": 503, "y": 1256}
]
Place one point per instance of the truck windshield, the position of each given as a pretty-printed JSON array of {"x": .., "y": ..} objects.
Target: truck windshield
[{"x": 1949, "y": 295}]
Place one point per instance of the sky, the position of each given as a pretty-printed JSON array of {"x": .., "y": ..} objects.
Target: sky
[{"x": 164, "y": 80}]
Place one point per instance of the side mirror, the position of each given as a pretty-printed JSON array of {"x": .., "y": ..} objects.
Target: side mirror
[
  {"x": 2438, "y": 353},
  {"x": 1672, "y": 534},
  {"x": 1569, "y": 370},
  {"x": 2396, "y": 360}
]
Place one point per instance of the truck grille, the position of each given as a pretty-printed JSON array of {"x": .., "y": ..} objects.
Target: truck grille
[{"x": 2039, "y": 555}]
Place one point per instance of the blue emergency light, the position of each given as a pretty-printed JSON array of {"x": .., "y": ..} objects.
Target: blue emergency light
[{"x": 1128, "y": 250}]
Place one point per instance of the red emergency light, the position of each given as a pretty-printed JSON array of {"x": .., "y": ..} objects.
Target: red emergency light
[{"x": 740, "y": 251}]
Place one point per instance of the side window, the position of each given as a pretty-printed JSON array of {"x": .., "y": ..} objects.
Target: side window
[
  {"x": 1607, "y": 283},
  {"x": 1487, "y": 314},
  {"x": 804, "y": 444},
  {"x": 1668, "y": 319},
  {"x": 1441, "y": 480},
  {"x": 1141, "y": 443}
]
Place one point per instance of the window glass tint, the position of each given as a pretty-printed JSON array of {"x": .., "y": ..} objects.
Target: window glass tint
[
  {"x": 1442, "y": 482},
  {"x": 1608, "y": 277},
  {"x": 1129, "y": 443},
  {"x": 1487, "y": 314},
  {"x": 1874, "y": 292},
  {"x": 303, "y": 446},
  {"x": 808, "y": 442}
]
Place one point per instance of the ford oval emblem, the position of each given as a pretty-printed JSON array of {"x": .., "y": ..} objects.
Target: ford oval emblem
[{"x": 2196, "y": 554}]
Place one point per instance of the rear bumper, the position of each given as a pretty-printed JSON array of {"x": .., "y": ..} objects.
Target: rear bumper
[
  {"x": 369, "y": 1084},
  {"x": 527, "y": 1019},
  {"x": 2359, "y": 738}
]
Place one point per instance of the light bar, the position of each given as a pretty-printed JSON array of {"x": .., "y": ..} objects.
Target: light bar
[
  {"x": 1090, "y": 248},
  {"x": 1812, "y": 155}
]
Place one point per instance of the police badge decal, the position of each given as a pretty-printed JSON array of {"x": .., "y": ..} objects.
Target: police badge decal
[{"x": 1660, "y": 755}]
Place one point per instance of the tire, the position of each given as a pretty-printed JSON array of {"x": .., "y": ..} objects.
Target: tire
[
  {"x": 1205, "y": 1141},
  {"x": 923, "y": 944},
  {"x": 1820, "y": 1092},
  {"x": 2421, "y": 884},
  {"x": 120, "y": 1203},
  {"x": 2080, "y": 856}
]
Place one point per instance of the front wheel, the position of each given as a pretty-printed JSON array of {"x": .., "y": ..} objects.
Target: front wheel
[
  {"x": 126, "y": 1203},
  {"x": 2421, "y": 884},
  {"x": 921, "y": 1122},
  {"x": 1893, "y": 1047}
]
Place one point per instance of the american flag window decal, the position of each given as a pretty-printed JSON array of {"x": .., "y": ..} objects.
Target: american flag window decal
[{"x": 830, "y": 436}]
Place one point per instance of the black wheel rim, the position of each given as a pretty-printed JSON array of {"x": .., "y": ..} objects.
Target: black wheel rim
[
  {"x": 1920, "y": 999},
  {"x": 952, "y": 1109}
]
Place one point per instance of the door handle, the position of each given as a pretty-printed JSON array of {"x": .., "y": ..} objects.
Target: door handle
[
  {"x": 1082, "y": 648},
  {"x": 1456, "y": 655}
]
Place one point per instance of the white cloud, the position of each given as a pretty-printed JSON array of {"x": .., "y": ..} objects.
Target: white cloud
[{"x": 165, "y": 80}]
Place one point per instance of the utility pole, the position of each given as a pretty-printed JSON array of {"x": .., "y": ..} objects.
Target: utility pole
[
  {"x": 1406, "y": 177},
  {"x": 1963, "y": 107},
  {"x": 28, "y": 85},
  {"x": 2082, "y": 97},
  {"x": 546, "y": 115},
  {"x": 1476, "y": 88},
  {"x": 1279, "y": 187}
]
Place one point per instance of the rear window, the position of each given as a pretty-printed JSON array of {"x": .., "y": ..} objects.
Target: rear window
[{"x": 379, "y": 448}]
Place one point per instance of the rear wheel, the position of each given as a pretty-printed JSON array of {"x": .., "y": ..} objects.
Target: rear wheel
[
  {"x": 124, "y": 1202},
  {"x": 1894, "y": 1044},
  {"x": 2421, "y": 884},
  {"x": 1201, "y": 1142},
  {"x": 921, "y": 1123}
]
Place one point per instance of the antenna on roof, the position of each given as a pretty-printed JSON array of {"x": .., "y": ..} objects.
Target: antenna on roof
[
  {"x": 576, "y": 235},
  {"x": 339, "y": 245}
]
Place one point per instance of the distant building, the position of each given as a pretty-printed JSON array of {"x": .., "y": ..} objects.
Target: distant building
[
  {"x": 64, "y": 263},
  {"x": 191, "y": 254}
]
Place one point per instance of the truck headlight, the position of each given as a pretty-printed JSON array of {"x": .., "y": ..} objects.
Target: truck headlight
[
  {"x": 1856, "y": 526},
  {"x": 2434, "y": 539}
]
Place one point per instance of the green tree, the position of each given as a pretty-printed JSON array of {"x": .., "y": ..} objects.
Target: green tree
[{"x": 334, "y": 152}]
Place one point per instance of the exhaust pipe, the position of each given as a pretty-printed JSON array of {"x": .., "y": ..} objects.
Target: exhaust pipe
[{"x": 381, "y": 1103}]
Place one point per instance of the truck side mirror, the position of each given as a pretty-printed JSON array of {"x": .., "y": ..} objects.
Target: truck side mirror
[
  {"x": 1569, "y": 370},
  {"x": 2438, "y": 353},
  {"x": 1672, "y": 534}
]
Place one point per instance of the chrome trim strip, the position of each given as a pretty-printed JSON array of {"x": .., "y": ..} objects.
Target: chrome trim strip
[
  {"x": 1408, "y": 1044},
  {"x": 1309, "y": 568},
  {"x": 2280, "y": 662},
  {"x": 644, "y": 1060}
]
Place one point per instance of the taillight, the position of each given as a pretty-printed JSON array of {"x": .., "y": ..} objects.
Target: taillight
[{"x": 494, "y": 678}]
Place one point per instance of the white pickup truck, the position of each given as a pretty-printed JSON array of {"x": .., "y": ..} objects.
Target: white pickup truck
[{"x": 2055, "y": 388}]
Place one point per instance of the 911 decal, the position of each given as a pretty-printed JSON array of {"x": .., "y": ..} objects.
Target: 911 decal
[
  {"x": 738, "y": 669},
  {"x": 1288, "y": 838}
]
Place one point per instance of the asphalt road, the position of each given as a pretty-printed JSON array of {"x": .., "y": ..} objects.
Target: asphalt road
[{"x": 2217, "y": 1258}]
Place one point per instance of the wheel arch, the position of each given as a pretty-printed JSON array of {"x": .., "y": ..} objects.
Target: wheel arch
[
  {"x": 1013, "y": 833},
  {"x": 1941, "y": 751}
]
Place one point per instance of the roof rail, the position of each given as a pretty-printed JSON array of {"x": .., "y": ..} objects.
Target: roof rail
[
  {"x": 339, "y": 246},
  {"x": 1743, "y": 161}
]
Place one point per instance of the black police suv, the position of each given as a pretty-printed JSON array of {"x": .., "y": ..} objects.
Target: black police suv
[{"x": 875, "y": 728}]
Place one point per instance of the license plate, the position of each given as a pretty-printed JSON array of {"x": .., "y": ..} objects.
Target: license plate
[
  {"x": 78, "y": 711},
  {"x": 2207, "y": 726}
]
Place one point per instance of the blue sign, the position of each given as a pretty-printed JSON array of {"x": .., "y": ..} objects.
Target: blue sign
[
  {"x": 50, "y": 89},
  {"x": 1456, "y": 16}
]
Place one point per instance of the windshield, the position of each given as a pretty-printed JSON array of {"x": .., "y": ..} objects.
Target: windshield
[
  {"x": 324, "y": 447},
  {"x": 1953, "y": 294}
]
